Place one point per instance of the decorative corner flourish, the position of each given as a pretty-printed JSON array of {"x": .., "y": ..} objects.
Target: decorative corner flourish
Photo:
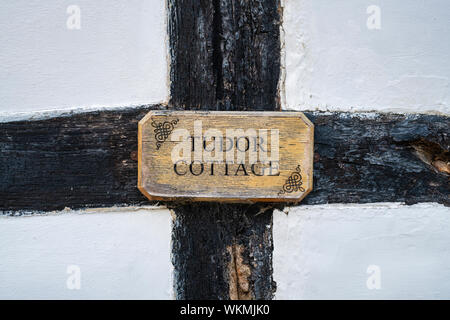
[
  {"x": 163, "y": 131},
  {"x": 293, "y": 183}
]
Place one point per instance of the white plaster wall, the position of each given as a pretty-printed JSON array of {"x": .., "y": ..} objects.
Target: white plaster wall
[
  {"x": 121, "y": 253},
  {"x": 333, "y": 61},
  {"x": 323, "y": 252},
  {"x": 117, "y": 58}
]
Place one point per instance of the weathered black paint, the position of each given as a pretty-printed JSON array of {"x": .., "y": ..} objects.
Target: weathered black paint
[
  {"x": 201, "y": 234},
  {"x": 84, "y": 160},
  {"x": 225, "y": 55},
  {"x": 370, "y": 158},
  {"x": 89, "y": 160}
]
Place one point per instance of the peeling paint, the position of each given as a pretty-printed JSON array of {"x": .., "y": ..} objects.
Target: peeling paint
[
  {"x": 432, "y": 154},
  {"x": 238, "y": 274}
]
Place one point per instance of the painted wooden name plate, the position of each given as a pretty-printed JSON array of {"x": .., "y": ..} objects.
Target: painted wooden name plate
[{"x": 225, "y": 156}]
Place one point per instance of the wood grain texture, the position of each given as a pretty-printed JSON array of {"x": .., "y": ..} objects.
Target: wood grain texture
[
  {"x": 225, "y": 56},
  {"x": 90, "y": 160},
  {"x": 363, "y": 158},
  {"x": 256, "y": 156},
  {"x": 83, "y": 160},
  {"x": 202, "y": 234}
]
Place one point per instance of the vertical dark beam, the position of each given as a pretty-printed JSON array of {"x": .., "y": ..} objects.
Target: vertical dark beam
[
  {"x": 192, "y": 71},
  {"x": 250, "y": 33},
  {"x": 225, "y": 55}
]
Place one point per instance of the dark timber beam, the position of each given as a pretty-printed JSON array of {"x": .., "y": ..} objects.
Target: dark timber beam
[
  {"x": 225, "y": 55},
  {"x": 89, "y": 160}
]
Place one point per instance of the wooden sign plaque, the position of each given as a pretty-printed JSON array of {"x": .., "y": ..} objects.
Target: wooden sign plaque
[{"x": 225, "y": 156}]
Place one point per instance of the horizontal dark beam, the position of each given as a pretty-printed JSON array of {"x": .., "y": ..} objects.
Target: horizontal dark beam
[
  {"x": 89, "y": 160},
  {"x": 85, "y": 160},
  {"x": 375, "y": 158}
]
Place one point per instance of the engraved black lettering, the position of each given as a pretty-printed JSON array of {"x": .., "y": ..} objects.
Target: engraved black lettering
[
  {"x": 274, "y": 165},
  {"x": 253, "y": 170},
  {"x": 243, "y": 169},
  {"x": 214, "y": 145},
  {"x": 191, "y": 168},
  {"x": 176, "y": 170},
  {"x": 226, "y": 168},
  {"x": 247, "y": 146}
]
